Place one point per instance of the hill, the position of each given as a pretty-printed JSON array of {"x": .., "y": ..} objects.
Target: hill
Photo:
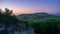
[{"x": 40, "y": 15}]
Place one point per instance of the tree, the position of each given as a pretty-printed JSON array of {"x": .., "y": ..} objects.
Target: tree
[
  {"x": 0, "y": 11},
  {"x": 11, "y": 11},
  {"x": 8, "y": 11},
  {"x": 7, "y": 19}
]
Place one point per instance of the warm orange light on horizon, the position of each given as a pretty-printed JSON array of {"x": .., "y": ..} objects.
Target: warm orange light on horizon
[{"x": 27, "y": 11}]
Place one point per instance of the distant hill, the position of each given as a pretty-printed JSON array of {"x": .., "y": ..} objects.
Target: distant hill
[
  {"x": 57, "y": 14},
  {"x": 40, "y": 15}
]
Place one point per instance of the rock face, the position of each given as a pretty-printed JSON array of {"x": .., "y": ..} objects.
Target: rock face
[
  {"x": 2, "y": 27},
  {"x": 11, "y": 30},
  {"x": 27, "y": 31}
]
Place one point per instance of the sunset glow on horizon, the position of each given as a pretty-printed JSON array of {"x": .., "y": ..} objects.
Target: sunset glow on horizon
[{"x": 31, "y": 6}]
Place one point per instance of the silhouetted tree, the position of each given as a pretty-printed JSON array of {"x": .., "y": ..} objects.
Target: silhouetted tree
[
  {"x": 7, "y": 19},
  {"x": 11, "y": 11},
  {"x": 7, "y": 10},
  {"x": 0, "y": 11}
]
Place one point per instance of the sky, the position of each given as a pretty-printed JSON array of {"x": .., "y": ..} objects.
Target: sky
[{"x": 31, "y": 6}]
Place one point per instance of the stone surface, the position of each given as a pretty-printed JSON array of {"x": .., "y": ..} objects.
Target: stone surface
[
  {"x": 28, "y": 31},
  {"x": 2, "y": 27},
  {"x": 11, "y": 30}
]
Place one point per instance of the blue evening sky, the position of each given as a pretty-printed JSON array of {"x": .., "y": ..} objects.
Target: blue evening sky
[{"x": 31, "y": 6}]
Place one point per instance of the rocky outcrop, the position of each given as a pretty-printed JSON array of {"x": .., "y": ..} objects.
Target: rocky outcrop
[
  {"x": 11, "y": 30},
  {"x": 2, "y": 27},
  {"x": 26, "y": 31}
]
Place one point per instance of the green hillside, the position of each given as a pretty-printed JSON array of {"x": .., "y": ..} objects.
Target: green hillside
[
  {"x": 45, "y": 26},
  {"x": 40, "y": 15},
  {"x": 40, "y": 26}
]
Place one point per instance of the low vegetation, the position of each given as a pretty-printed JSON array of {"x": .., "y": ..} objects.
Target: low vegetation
[
  {"x": 45, "y": 26},
  {"x": 40, "y": 26}
]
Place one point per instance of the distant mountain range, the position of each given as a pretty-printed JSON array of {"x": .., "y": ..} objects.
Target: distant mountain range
[{"x": 40, "y": 15}]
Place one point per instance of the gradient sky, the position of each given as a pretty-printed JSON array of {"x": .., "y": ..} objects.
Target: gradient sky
[{"x": 31, "y": 6}]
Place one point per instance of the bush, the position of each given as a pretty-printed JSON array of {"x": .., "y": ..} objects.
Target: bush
[
  {"x": 8, "y": 19},
  {"x": 45, "y": 26}
]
